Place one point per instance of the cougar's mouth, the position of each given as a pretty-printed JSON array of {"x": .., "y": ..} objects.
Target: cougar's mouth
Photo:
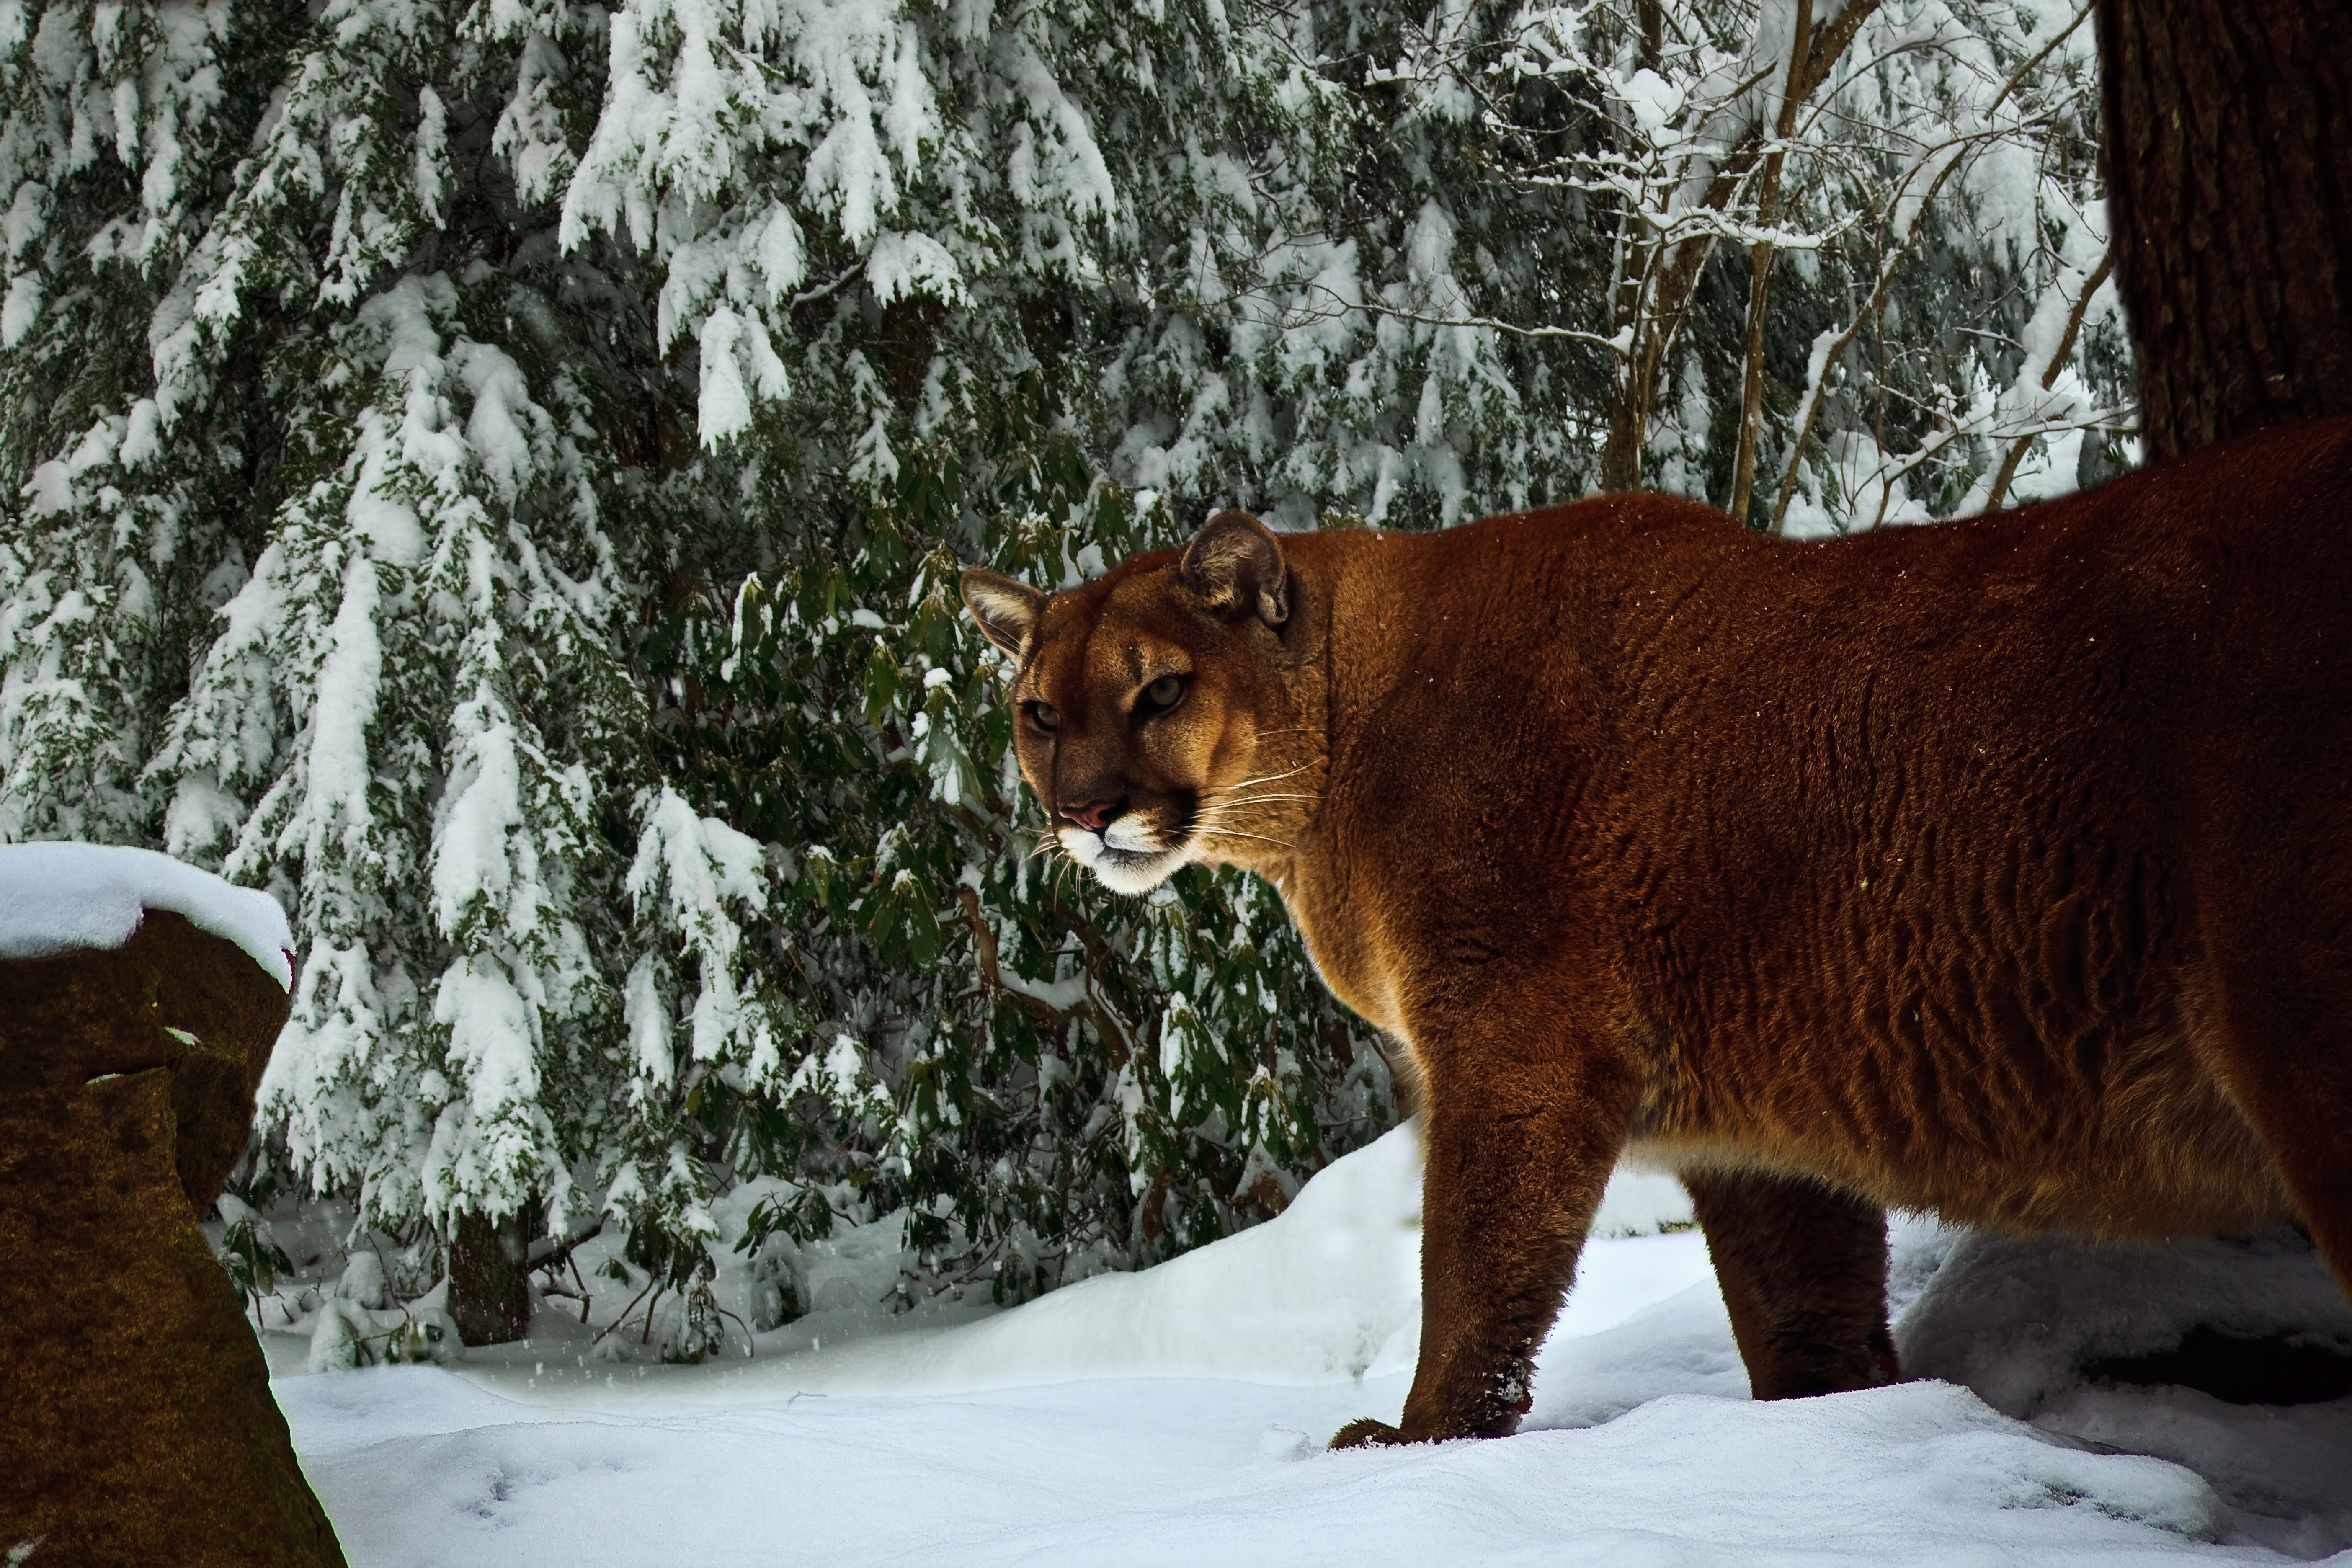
[{"x": 1132, "y": 855}]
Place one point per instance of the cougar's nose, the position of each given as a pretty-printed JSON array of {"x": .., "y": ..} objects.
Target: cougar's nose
[{"x": 1095, "y": 815}]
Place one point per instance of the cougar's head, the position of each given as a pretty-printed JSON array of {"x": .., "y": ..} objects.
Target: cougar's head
[{"x": 1161, "y": 710}]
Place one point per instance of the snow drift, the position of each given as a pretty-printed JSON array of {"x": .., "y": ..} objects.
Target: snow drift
[{"x": 1178, "y": 1416}]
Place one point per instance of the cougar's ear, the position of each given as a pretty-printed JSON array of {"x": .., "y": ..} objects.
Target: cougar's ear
[
  {"x": 1007, "y": 611},
  {"x": 1234, "y": 563}
]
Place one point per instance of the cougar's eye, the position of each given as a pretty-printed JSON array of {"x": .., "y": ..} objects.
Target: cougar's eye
[
  {"x": 1164, "y": 692},
  {"x": 1042, "y": 715}
]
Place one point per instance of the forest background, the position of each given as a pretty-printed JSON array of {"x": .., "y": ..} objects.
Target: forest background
[{"x": 495, "y": 475}]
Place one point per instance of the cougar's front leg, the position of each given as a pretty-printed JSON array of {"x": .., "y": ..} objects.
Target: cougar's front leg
[
  {"x": 1804, "y": 1272},
  {"x": 1522, "y": 1128}
]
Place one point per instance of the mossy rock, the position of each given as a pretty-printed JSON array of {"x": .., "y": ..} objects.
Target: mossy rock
[{"x": 136, "y": 1422}]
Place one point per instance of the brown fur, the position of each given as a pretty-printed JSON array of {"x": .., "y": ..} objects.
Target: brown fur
[{"x": 2001, "y": 869}]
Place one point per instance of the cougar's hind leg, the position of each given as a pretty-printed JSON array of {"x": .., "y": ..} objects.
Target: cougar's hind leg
[
  {"x": 1519, "y": 1143},
  {"x": 2274, "y": 904},
  {"x": 2286, "y": 1049},
  {"x": 1804, "y": 1272}
]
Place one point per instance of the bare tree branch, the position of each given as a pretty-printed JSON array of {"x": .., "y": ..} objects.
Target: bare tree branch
[{"x": 2019, "y": 448}]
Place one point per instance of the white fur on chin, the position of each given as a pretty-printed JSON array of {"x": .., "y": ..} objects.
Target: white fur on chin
[
  {"x": 1132, "y": 834},
  {"x": 1119, "y": 866}
]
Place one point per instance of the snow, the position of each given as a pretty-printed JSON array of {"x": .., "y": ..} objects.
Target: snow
[
  {"x": 417, "y": 1465},
  {"x": 2037, "y": 1309},
  {"x": 694, "y": 870},
  {"x": 1642, "y": 1202},
  {"x": 55, "y": 898},
  {"x": 2016, "y": 1318},
  {"x": 1654, "y": 100},
  {"x": 1179, "y": 1415},
  {"x": 1325, "y": 1291}
]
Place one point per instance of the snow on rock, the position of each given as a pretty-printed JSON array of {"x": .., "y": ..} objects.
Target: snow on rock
[
  {"x": 334, "y": 1338},
  {"x": 55, "y": 898},
  {"x": 363, "y": 1282},
  {"x": 2020, "y": 1319}
]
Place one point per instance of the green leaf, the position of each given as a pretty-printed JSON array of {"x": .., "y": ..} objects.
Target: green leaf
[{"x": 881, "y": 684}]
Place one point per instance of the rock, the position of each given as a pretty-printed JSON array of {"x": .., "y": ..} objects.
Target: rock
[
  {"x": 136, "y": 1422},
  {"x": 363, "y": 1282}
]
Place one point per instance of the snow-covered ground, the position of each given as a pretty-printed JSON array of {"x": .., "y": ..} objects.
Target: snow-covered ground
[{"x": 1179, "y": 1416}]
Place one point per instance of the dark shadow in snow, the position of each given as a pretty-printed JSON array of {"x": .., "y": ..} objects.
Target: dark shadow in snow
[{"x": 2276, "y": 1369}]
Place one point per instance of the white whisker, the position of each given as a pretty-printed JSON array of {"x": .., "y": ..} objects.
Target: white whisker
[
  {"x": 1238, "y": 833},
  {"x": 1211, "y": 824},
  {"x": 1269, "y": 778}
]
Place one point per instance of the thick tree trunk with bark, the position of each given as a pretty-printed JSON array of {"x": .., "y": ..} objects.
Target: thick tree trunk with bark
[
  {"x": 489, "y": 1278},
  {"x": 2229, "y": 148}
]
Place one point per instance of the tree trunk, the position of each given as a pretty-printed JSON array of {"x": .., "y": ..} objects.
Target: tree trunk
[
  {"x": 2228, "y": 150},
  {"x": 1656, "y": 306},
  {"x": 489, "y": 1282},
  {"x": 1760, "y": 272}
]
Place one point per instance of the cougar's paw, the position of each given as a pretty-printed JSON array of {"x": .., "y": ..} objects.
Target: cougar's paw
[{"x": 1368, "y": 1433}]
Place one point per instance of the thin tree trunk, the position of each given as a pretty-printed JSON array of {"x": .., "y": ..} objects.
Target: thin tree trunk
[
  {"x": 1629, "y": 423},
  {"x": 2229, "y": 152},
  {"x": 1759, "y": 274},
  {"x": 1669, "y": 299},
  {"x": 2015, "y": 456},
  {"x": 1751, "y": 386},
  {"x": 1653, "y": 334}
]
